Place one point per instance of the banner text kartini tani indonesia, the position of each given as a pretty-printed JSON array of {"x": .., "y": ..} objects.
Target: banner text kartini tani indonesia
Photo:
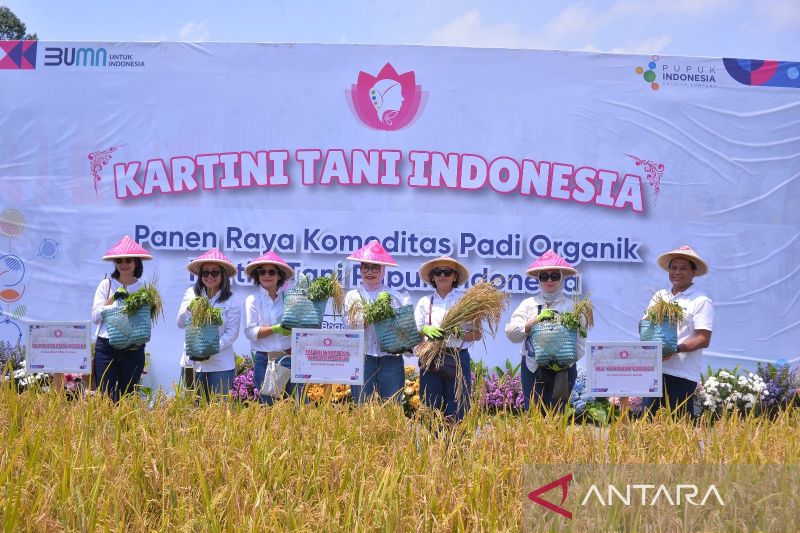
[{"x": 381, "y": 168}]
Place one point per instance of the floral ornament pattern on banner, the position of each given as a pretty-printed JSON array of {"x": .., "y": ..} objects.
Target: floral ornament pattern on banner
[
  {"x": 97, "y": 161},
  {"x": 655, "y": 171}
]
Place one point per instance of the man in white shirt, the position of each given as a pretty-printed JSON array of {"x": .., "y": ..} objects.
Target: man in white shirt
[{"x": 682, "y": 369}]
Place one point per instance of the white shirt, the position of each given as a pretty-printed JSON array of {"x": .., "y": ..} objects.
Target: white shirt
[
  {"x": 425, "y": 313},
  {"x": 698, "y": 314},
  {"x": 106, "y": 288},
  {"x": 371, "y": 342},
  {"x": 228, "y": 332},
  {"x": 261, "y": 310},
  {"x": 528, "y": 309}
]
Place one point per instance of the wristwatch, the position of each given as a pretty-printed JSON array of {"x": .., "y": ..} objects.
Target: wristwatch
[{"x": 678, "y": 348}]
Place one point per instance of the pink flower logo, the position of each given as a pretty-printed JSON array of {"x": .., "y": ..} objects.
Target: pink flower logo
[
  {"x": 58, "y": 333},
  {"x": 624, "y": 354},
  {"x": 388, "y": 101},
  {"x": 327, "y": 342}
]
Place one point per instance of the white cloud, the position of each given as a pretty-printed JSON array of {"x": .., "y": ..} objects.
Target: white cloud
[
  {"x": 470, "y": 30},
  {"x": 644, "y": 10},
  {"x": 574, "y": 20},
  {"x": 651, "y": 45},
  {"x": 193, "y": 31}
]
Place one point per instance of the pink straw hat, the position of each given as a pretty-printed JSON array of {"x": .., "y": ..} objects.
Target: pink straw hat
[
  {"x": 212, "y": 256},
  {"x": 551, "y": 261},
  {"x": 269, "y": 258},
  {"x": 126, "y": 247},
  {"x": 685, "y": 252},
  {"x": 444, "y": 261},
  {"x": 373, "y": 252}
]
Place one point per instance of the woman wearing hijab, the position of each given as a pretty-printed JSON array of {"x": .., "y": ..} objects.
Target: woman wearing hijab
[
  {"x": 549, "y": 386},
  {"x": 214, "y": 270},
  {"x": 682, "y": 369},
  {"x": 263, "y": 312},
  {"x": 383, "y": 372},
  {"x": 117, "y": 371},
  {"x": 438, "y": 390}
]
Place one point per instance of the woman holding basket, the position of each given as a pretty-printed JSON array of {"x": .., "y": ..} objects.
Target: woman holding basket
[
  {"x": 438, "y": 386},
  {"x": 551, "y": 386},
  {"x": 269, "y": 342},
  {"x": 213, "y": 373},
  {"x": 383, "y": 371},
  {"x": 117, "y": 371}
]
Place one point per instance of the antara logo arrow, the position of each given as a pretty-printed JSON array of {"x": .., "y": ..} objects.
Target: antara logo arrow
[{"x": 561, "y": 482}]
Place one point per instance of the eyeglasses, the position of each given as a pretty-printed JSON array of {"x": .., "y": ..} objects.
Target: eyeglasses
[
  {"x": 267, "y": 272},
  {"x": 210, "y": 273},
  {"x": 121, "y": 260},
  {"x": 552, "y": 276},
  {"x": 367, "y": 267},
  {"x": 442, "y": 271}
]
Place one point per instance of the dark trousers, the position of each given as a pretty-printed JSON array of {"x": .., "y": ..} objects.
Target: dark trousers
[
  {"x": 116, "y": 372},
  {"x": 539, "y": 386},
  {"x": 440, "y": 392},
  {"x": 678, "y": 396}
]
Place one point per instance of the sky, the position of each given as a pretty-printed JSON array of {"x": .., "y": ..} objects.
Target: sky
[{"x": 766, "y": 29}]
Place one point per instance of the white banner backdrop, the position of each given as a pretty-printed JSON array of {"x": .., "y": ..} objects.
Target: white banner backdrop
[{"x": 492, "y": 156}]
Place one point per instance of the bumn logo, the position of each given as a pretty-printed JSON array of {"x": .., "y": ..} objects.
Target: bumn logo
[{"x": 78, "y": 57}]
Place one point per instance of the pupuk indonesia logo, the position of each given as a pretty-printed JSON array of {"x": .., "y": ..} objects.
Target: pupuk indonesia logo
[
  {"x": 649, "y": 74},
  {"x": 388, "y": 101}
]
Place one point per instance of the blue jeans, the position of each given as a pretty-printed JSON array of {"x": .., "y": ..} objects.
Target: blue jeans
[
  {"x": 539, "y": 385},
  {"x": 209, "y": 383},
  {"x": 383, "y": 374},
  {"x": 260, "y": 362},
  {"x": 116, "y": 372},
  {"x": 439, "y": 392}
]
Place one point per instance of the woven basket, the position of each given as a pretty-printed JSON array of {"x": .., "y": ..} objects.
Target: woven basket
[
  {"x": 301, "y": 312},
  {"x": 665, "y": 332},
  {"x": 554, "y": 343},
  {"x": 201, "y": 342},
  {"x": 118, "y": 326},
  {"x": 398, "y": 334},
  {"x": 140, "y": 326}
]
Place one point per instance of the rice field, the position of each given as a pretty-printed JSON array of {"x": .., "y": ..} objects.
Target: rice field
[{"x": 90, "y": 465}]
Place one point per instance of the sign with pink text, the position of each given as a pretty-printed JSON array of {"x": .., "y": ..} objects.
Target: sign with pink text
[
  {"x": 328, "y": 356},
  {"x": 492, "y": 157},
  {"x": 624, "y": 369},
  {"x": 58, "y": 347}
]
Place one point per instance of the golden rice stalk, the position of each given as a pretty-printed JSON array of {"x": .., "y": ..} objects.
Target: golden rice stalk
[
  {"x": 581, "y": 317},
  {"x": 481, "y": 306},
  {"x": 663, "y": 310},
  {"x": 204, "y": 314}
]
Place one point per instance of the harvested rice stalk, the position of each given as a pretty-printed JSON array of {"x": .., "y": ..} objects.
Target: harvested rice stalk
[
  {"x": 371, "y": 311},
  {"x": 146, "y": 296},
  {"x": 581, "y": 317},
  {"x": 663, "y": 310},
  {"x": 482, "y": 307},
  {"x": 204, "y": 314},
  {"x": 324, "y": 287}
]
